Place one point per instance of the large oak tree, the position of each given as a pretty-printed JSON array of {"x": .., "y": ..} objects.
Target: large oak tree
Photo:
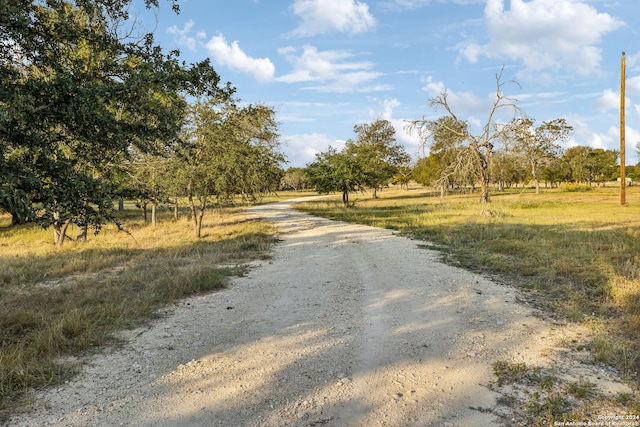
[
  {"x": 378, "y": 153},
  {"x": 77, "y": 89}
]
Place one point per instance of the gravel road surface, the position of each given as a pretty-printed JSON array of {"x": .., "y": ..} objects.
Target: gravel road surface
[{"x": 346, "y": 325}]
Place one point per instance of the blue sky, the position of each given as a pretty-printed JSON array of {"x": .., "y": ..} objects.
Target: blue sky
[{"x": 326, "y": 65}]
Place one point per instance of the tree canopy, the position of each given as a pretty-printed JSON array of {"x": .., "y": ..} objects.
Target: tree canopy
[
  {"x": 77, "y": 89},
  {"x": 336, "y": 171},
  {"x": 226, "y": 151},
  {"x": 586, "y": 164},
  {"x": 476, "y": 148},
  {"x": 537, "y": 146},
  {"x": 377, "y": 152},
  {"x": 370, "y": 161}
]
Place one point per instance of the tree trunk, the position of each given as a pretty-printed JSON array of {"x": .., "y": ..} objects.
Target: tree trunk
[
  {"x": 485, "y": 173},
  {"x": 484, "y": 188},
  {"x": 199, "y": 222},
  {"x": 143, "y": 207},
  {"x": 534, "y": 174},
  {"x": 197, "y": 218},
  {"x": 154, "y": 213},
  {"x": 120, "y": 205},
  {"x": 374, "y": 193},
  {"x": 194, "y": 217},
  {"x": 345, "y": 198},
  {"x": 175, "y": 210},
  {"x": 84, "y": 228},
  {"x": 483, "y": 161},
  {"x": 82, "y": 234},
  {"x": 60, "y": 233}
]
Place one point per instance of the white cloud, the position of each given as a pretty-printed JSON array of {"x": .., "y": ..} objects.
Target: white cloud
[
  {"x": 326, "y": 16},
  {"x": 609, "y": 100},
  {"x": 633, "y": 85},
  {"x": 410, "y": 140},
  {"x": 334, "y": 69},
  {"x": 462, "y": 102},
  {"x": 302, "y": 149},
  {"x": 387, "y": 108},
  {"x": 433, "y": 88},
  {"x": 609, "y": 139},
  {"x": 353, "y": 82},
  {"x": 471, "y": 51},
  {"x": 632, "y": 139},
  {"x": 313, "y": 65},
  {"x": 633, "y": 61},
  {"x": 545, "y": 34},
  {"x": 181, "y": 36},
  {"x": 230, "y": 55}
]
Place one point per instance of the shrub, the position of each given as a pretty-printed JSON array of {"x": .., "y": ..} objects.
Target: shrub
[{"x": 575, "y": 188}]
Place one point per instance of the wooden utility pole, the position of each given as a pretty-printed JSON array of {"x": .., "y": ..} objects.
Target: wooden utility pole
[{"x": 623, "y": 178}]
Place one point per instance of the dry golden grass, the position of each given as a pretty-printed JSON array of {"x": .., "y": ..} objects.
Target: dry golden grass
[{"x": 59, "y": 302}]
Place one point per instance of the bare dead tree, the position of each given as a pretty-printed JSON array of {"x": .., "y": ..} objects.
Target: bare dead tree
[{"x": 479, "y": 146}]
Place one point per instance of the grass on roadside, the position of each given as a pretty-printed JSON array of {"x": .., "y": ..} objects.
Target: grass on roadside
[
  {"x": 577, "y": 254},
  {"x": 537, "y": 397},
  {"x": 57, "y": 303}
]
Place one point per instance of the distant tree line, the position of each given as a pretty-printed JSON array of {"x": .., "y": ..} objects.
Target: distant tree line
[
  {"x": 520, "y": 153},
  {"x": 509, "y": 167},
  {"x": 92, "y": 110},
  {"x": 504, "y": 153},
  {"x": 579, "y": 164}
]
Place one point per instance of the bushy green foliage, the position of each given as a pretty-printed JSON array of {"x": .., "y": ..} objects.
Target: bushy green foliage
[
  {"x": 227, "y": 151},
  {"x": 369, "y": 162},
  {"x": 336, "y": 171},
  {"x": 76, "y": 92},
  {"x": 575, "y": 188}
]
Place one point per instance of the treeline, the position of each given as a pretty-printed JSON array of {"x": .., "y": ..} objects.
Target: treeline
[
  {"x": 579, "y": 164},
  {"x": 92, "y": 110},
  {"x": 501, "y": 153},
  {"x": 525, "y": 155}
]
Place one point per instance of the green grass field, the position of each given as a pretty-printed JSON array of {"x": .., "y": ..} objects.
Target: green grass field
[
  {"x": 56, "y": 303},
  {"x": 576, "y": 254}
]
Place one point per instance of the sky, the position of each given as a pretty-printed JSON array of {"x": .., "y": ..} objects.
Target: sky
[{"x": 327, "y": 65}]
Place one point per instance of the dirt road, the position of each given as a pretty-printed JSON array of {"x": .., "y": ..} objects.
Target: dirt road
[{"x": 346, "y": 326}]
